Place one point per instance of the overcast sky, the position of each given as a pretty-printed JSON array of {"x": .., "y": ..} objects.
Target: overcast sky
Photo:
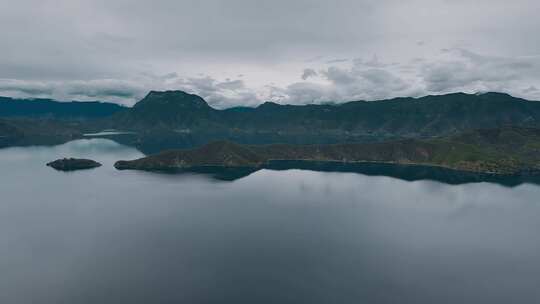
[{"x": 244, "y": 52}]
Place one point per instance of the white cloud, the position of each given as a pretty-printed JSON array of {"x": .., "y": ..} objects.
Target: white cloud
[{"x": 451, "y": 70}]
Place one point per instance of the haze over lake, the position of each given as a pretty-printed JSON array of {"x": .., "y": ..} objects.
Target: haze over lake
[{"x": 108, "y": 236}]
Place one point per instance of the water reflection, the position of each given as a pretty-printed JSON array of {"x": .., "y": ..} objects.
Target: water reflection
[
  {"x": 296, "y": 236},
  {"x": 403, "y": 172}
]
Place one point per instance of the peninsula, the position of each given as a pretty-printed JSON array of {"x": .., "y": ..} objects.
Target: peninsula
[{"x": 501, "y": 151}]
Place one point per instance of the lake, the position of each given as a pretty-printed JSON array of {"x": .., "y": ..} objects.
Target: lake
[{"x": 287, "y": 236}]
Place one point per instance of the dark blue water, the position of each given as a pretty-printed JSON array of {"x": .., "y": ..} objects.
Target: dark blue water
[{"x": 107, "y": 236}]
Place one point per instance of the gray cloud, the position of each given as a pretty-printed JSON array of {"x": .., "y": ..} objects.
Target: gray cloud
[
  {"x": 220, "y": 94},
  {"x": 463, "y": 70},
  {"x": 119, "y": 49},
  {"x": 452, "y": 70},
  {"x": 531, "y": 89},
  {"x": 231, "y": 84},
  {"x": 340, "y": 76},
  {"x": 102, "y": 89},
  {"x": 359, "y": 81},
  {"x": 337, "y": 60},
  {"x": 308, "y": 73}
]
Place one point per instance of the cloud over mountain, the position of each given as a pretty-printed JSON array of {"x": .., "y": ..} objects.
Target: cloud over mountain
[{"x": 293, "y": 51}]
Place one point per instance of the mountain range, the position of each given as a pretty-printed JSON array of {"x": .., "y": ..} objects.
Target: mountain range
[
  {"x": 176, "y": 119},
  {"x": 401, "y": 117},
  {"x": 47, "y": 108}
]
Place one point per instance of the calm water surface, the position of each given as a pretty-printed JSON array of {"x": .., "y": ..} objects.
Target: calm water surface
[{"x": 107, "y": 236}]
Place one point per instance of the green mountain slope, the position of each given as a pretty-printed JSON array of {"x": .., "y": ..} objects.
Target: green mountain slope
[
  {"x": 483, "y": 151},
  {"x": 183, "y": 120},
  {"x": 175, "y": 119}
]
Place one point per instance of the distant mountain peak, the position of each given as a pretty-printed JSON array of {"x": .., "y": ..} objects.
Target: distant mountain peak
[
  {"x": 494, "y": 94},
  {"x": 168, "y": 109},
  {"x": 167, "y": 93},
  {"x": 175, "y": 98},
  {"x": 269, "y": 104}
]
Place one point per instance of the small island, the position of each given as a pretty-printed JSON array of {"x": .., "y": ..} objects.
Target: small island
[{"x": 73, "y": 164}]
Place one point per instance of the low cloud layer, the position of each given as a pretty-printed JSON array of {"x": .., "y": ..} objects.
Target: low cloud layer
[
  {"x": 242, "y": 52},
  {"x": 452, "y": 70},
  {"x": 114, "y": 90}
]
